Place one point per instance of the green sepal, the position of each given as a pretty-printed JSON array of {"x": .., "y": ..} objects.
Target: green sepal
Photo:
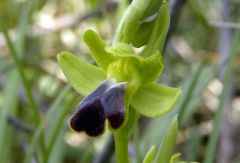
[
  {"x": 83, "y": 77},
  {"x": 121, "y": 50},
  {"x": 153, "y": 100},
  {"x": 159, "y": 32},
  {"x": 150, "y": 156},
  {"x": 151, "y": 68},
  {"x": 97, "y": 49},
  {"x": 148, "y": 69},
  {"x": 142, "y": 34},
  {"x": 152, "y": 8},
  {"x": 149, "y": 18},
  {"x": 168, "y": 143},
  {"x": 133, "y": 18}
]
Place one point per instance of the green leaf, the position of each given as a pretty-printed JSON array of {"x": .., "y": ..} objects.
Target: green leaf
[
  {"x": 97, "y": 49},
  {"x": 150, "y": 156},
  {"x": 168, "y": 143},
  {"x": 152, "y": 68},
  {"x": 153, "y": 100},
  {"x": 83, "y": 77},
  {"x": 175, "y": 158}
]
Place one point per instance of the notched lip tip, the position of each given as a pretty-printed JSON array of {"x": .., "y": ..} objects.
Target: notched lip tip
[
  {"x": 84, "y": 131},
  {"x": 71, "y": 126}
]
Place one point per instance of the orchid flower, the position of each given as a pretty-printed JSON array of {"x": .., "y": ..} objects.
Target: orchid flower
[
  {"x": 120, "y": 64},
  {"x": 123, "y": 85}
]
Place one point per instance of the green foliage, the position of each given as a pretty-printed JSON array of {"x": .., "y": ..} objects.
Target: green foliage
[
  {"x": 168, "y": 143},
  {"x": 121, "y": 63},
  {"x": 36, "y": 104},
  {"x": 150, "y": 156}
]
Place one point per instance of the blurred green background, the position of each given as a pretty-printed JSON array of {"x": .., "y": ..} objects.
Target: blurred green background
[{"x": 201, "y": 56}]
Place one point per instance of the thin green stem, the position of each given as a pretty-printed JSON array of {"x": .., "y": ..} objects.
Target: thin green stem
[
  {"x": 121, "y": 137},
  {"x": 121, "y": 147}
]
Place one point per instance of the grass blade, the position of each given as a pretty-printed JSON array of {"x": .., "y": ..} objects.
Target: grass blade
[
  {"x": 211, "y": 148},
  {"x": 52, "y": 110}
]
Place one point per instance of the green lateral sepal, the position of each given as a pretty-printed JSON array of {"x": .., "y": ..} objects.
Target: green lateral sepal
[
  {"x": 153, "y": 100},
  {"x": 83, "y": 77}
]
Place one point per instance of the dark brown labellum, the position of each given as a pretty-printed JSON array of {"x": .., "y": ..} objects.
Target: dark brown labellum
[
  {"x": 89, "y": 118},
  {"x": 113, "y": 103},
  {"x": 106, "y": 102}
]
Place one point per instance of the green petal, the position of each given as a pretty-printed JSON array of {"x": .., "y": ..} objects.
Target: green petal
[
  {"x": 153, "y": 100},
  {"x": 152, "y": 68},
  {"x": 168, "y": 143},
  {"x": 123, "y": 50},
  {"x": 97, "y": 48},
  {"x": 83, "y": 77},
  {"x": 120, "y": 49}
]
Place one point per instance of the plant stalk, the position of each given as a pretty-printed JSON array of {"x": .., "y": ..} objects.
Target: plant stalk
[
  {"x": 121, "y": 137},
  {"x": 121, "y": 147}
]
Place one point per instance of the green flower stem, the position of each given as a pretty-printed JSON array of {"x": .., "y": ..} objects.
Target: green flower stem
[
  {"x": 121, "y": 147},
  {"x": 121, "y": 137}
]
